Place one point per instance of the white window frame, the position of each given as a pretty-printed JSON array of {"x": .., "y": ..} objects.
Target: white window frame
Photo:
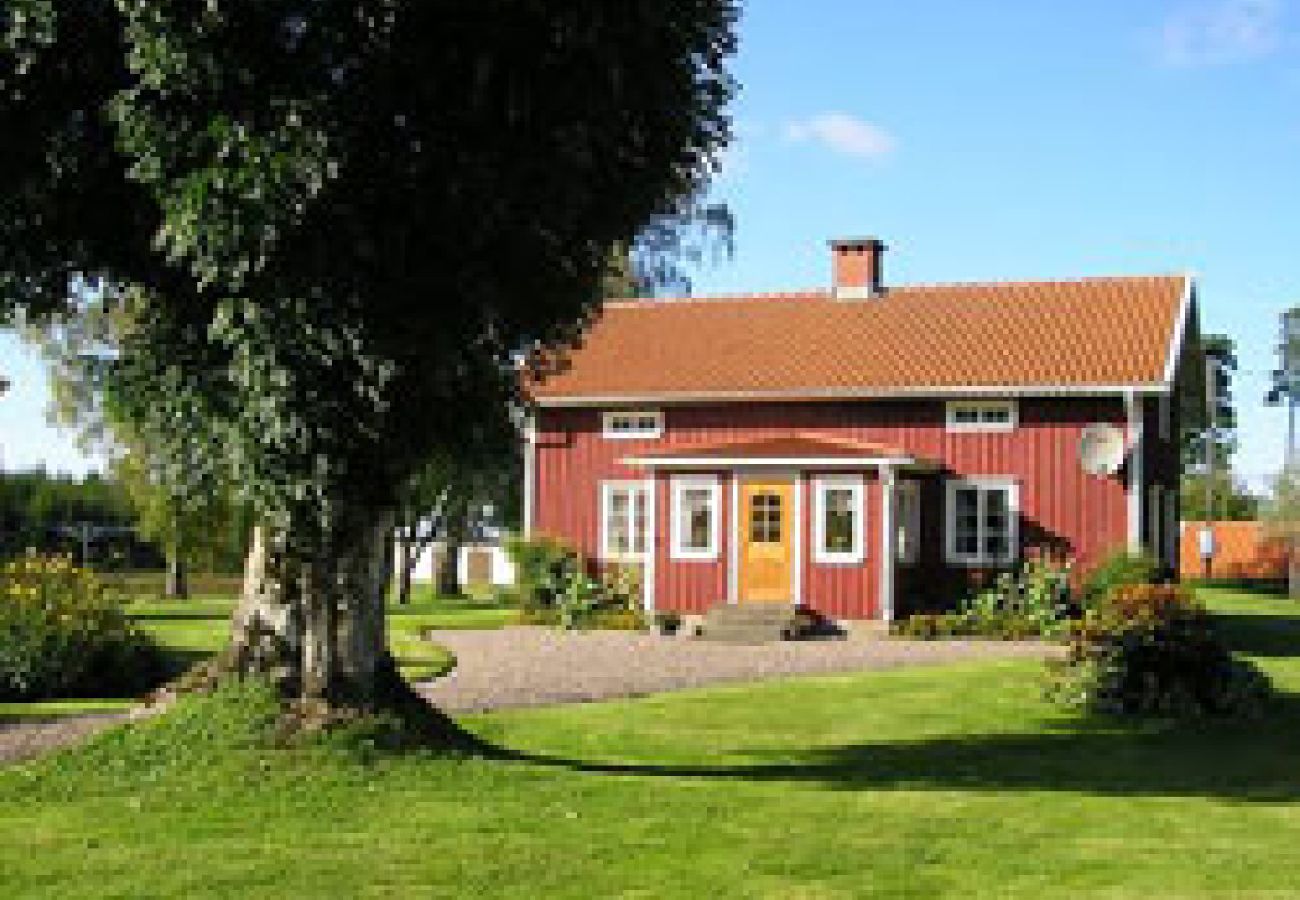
[
  {"x": 910, "y": 524},
  {"x": 610, "y": 430},
  {"x": 982, "y": 484},
  {"x": 642, "y": 489},
  {"x": 680, "y": 485},
  {"x": 821, "y": 486},
  {"x": 982, "y": 408}
]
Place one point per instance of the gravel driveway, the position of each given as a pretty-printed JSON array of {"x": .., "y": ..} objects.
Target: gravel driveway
[
  {"x": 23, "y": 740},
  {"x": 523, "y": 666},
  {"x": 519, "y": 666}
]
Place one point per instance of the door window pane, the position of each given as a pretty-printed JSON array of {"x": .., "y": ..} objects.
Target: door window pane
[{"x": 765, "y": 517}]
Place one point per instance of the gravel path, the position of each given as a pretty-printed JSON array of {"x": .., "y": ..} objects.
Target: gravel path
[
  {"x": 23, "y": 740},
  {"x": 514, "y": 667},
  {"x": 521, "y": 666}
]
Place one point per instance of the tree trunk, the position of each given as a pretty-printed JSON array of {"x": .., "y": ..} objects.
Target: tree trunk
[
  {"x": 176, "y": 585},
  {"x": 314, "y": 622},
  {"x": 404, "y": 567},
  {"x": 449, "y": 571}
]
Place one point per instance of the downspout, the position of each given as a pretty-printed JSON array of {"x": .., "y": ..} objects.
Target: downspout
[{"x": 1133, "y": 413}]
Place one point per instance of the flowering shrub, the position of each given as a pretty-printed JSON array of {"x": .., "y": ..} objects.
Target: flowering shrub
[
  {"x": 555, "y": 588},
  {"x": 62, "y": 635},
  {"x": 1032, "y": 602},
  {"x": 1152, "y": 650}
]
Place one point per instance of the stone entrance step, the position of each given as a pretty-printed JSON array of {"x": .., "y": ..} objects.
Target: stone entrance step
[{"x": 750, "y": 623}]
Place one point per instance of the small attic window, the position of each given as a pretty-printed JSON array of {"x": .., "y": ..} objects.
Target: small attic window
[
  {"x": 981, "y": 415},
  {"x": 632, "y": 423}
]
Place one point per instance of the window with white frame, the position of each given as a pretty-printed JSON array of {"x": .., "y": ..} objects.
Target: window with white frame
[
  {"x": 838, "y": 519},
  {"x": 907, "y": 519},
  {"x": 981, "y": 415},
  {"x": 624, "y": 520},
  {"x": 695, "y": 517},
  {"x": 624, "y": 424},
  {"x": 983, "y": 522}
]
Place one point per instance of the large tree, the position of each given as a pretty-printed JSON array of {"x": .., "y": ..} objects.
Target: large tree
[{"x": 340, "y": 222}]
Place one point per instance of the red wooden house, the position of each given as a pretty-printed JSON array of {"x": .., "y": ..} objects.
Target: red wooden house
[{"x": 868, "y": 450}]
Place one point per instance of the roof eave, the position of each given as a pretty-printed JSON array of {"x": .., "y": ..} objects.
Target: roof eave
[{"x": 826, "y": 394}]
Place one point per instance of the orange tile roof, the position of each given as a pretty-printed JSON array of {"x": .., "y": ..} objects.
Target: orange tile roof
[{"x": 1053, "y": 334}]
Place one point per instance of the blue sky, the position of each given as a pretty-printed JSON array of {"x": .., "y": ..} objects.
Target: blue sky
[{"x": 996, "y": 140}]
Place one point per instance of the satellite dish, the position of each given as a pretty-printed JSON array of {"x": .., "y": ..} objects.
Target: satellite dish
[{"x": 1102, "y": 449}]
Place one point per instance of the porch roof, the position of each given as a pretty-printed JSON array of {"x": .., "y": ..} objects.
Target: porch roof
[{"x": 800, "y": 450}]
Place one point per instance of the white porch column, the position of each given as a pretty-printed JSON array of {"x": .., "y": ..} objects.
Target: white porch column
[
  {"x": 888, "y": 538},
  {"x": 1136, "y": 488},
  {"x": 651, "y": 543}
]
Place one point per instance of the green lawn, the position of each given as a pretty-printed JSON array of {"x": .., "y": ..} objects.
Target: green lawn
[
  {"x": 192, "y": 630},
  {"x": 921, "y": 782}
]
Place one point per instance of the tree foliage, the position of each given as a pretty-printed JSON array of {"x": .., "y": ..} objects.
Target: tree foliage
[{"x": 340, "y": 221}]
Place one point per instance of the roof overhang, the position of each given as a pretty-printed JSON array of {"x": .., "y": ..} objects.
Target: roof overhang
[
  {"x": 777, "y": 462},
  {"x": 831, "y": 394},
  {"x": 798, "y": 451}
]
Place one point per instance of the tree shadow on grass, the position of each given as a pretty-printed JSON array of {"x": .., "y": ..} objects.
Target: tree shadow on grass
[
  {"x": 1247, "y": 761},
  {"x": 1260, "y": 635}
]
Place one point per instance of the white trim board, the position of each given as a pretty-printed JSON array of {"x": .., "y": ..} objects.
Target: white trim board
[
  {"x": 1174, "y": 354},
  {"x": 781, "y": 462},
  {"x": 530, "y": 475},
  {"x": 937, "y": 392}
]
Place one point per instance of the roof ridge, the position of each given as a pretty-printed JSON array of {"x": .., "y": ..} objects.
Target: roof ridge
[{"x": 826, "y": 293}]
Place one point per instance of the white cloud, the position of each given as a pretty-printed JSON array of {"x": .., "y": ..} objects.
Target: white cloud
[
  {"x": 1221, "y": 32},
  {"x": 844, "y": 133}
]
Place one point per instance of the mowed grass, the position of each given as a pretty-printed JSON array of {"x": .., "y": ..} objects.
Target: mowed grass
[
  {"x": 193, "y": 630},
  {"x": 922, "y": 782}
]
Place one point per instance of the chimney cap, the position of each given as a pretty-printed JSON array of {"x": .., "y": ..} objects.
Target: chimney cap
[{"x": 849, "y": 243}]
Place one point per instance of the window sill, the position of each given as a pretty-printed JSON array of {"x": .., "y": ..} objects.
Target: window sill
[
  {"x": 694, "y": 556},
  {"x": 839, "y": 559},
  {"x": 980, "y": 563}
]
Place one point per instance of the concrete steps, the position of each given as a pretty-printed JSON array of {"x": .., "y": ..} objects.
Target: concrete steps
[{"x": 749, "y": 623}]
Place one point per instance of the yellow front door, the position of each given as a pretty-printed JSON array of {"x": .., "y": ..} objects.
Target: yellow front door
[{"x": 766, "y": 541}]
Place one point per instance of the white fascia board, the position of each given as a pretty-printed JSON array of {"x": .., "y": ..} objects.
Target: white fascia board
[
  {"x": 750, "y": 462},
  {"x": 1175, "y": 351},
  {"x": 944, "y": 392}
]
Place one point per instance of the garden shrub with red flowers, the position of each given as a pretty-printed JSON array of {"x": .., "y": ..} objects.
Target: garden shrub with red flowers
[{"x": 1153, "y": 650}]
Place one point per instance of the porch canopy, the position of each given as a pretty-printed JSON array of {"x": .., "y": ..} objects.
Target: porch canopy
[{"x": 803, "y": 451}]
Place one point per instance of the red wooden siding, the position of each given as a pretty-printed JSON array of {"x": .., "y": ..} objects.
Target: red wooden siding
[
  {"x": 1062, "y": 508},
  {"x": 839, "y": 590},
  {"x": 690, "y": 585}
]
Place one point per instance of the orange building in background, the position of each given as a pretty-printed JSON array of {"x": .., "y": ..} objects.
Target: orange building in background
[{"x": 1241, "y": 550}]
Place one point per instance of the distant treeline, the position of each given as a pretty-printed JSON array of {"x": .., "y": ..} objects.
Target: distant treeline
[{"x": 92, "y": 517}]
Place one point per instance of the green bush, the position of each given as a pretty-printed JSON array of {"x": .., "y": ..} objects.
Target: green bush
[
  {"x": 1117, "y": 570},
  {"x": 1033, "y": 602},
  {"x": 545, "y": 569},
  {"x": 1153, "y": 650},
  {"x": 1001, "y": 626},
  {"x": 62, "y": 635},
  {"x": 554, "y": 587}
]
